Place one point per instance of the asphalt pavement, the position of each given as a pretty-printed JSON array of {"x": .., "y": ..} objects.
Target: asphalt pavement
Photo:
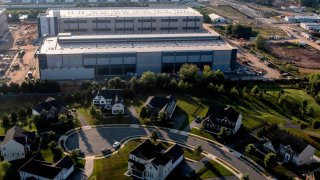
[{"x": 92, "y": 140}]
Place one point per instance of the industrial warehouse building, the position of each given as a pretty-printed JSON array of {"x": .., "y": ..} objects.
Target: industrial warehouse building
[
  {"x": 69, "y": 56},
  {"x": 3, "y": 22},
  {"x": 86, "y": 1},
  {"x": 130, "y": 20}
]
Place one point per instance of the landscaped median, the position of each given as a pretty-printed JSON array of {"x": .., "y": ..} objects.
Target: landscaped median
[{"x": 188, "y": 154}]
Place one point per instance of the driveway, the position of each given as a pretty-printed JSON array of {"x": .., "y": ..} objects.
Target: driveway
[{"x": 91, "y": 140}]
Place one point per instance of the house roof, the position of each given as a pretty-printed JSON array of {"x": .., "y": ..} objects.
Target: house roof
[
  {"x": 296, "y": 144},
  {"x": 48, "y": 104},
  {"x": 40, "y": 168},
  {"x": 65, "y": 162},
  {"x": 147, "y": 150},
  {"x": 159, "y": 102},
  {"x": 18, "y": 134},
  {"x": 222, "y": 112},
  {"x": 114, "y": 94},
  {"x": 175, "y": 152},
  {"x": 161, "y": 159}
]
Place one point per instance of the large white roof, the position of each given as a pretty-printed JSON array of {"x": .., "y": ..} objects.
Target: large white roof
[
  {"x": 132, "y": 43},
  {"x": 122, "y": 12}
]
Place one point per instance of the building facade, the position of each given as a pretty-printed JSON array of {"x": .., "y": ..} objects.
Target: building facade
[
  {"x": 142, "y": 20},
  {"x": 86, "y": 57},
  {"x": 87, "y": 1},
  {"x": 110, "y": 99},
  {"x": 311, "y": 26},
  {"x": 302, "y": 19},
  {"x": 3, "y": 21}
]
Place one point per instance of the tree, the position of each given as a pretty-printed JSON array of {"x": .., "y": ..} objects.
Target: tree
[
  {"x": 56, "y": 151},
  {"x": 234, "y": 92},
  {"x": 154, "y": 136},
  {"x": 5, "y": 122},
  {"x": 260, "y": 42},
  {"x": 13, "y": 117},
  {"x": 93, "y": 110},
  {"x": 22, "y": 114},
  {"x": 52, "y": 146},
  {"x": 98, "y": 114},
  {"x": 148, "y": 79},
  {"x": 188, "y": 73},
  {"x": 198, "y": 150},
  {"x": 270, "y": 160},
  {"x": 245, "y": 176},
  {"x": 255, "y": 90},
  {"x": 250, "y": 149},
  {"x": 162, "y": 117},
  {"x": 245, "y": 90},
  {"x": 315, "y": 124},
  {"x": 143, "y": 112},
  {"x": 74, "y": 156},
  {"x": 223, "y": 133},
  {"x": 5, "y": 170}
]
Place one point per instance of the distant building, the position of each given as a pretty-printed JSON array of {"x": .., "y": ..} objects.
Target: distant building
[
  {"x": 219, "y": 117},
  {"x": 3, "y": 21},
  {"x": 216, "y": 18},
  {"x": 302, "y": 19},
  {"x": 110, "y": 99},
  {"x": 17, "y": 143},
  {"x": 35, "y": 169},
  {"x": 153, "y": 162},
  {"x": 307, "y": 35},
  {"x": 51, "y": 108},
  {"x": 155, "y": 105},
  {"x": 311, "y": 26},
  {"x": 68, "y": 57},
  {"x": 120, "y": 20},
  {"x": 291, "y": 148},
  {"x": 85, "y": 1}
]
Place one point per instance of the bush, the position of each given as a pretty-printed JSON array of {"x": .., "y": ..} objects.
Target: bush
[
  {"x": 303, "y": 126},
  {"x": 315, "y": 124},
  {"x": 270, "y": 160},
  {"x": 234, "y": 92},
  {"x": 198, "y": 150},
  {"x": 143, "y": 112},
  {"x": 250, "y": 149}
]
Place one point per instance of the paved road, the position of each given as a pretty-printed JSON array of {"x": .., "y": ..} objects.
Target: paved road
[{"x": 91, "y": 140}]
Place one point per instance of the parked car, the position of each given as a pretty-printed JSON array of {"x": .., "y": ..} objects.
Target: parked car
[
  {"x": 116, "y": 145},
  {"x": 106, "y": 150}
]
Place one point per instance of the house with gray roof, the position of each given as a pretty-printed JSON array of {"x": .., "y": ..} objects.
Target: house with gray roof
[
  {"x": 150, "y": 161},
  {"x": 17, "y": 143},
  {"x": 291, "y": 148},
  {"x": 222, "y": 116},
  {"x": 41, "y": 170},
  {"x": 51, "y": 108},
  {"x": 157, "y": 104}
]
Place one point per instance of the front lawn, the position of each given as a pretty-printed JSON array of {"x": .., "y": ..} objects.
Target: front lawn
[
  {"x": 107, "y": 120},
  {"x": 188, "y": 153},
  {"x": 47, "y": 155},
  {"x": 115, "y": 166},
  {"x": 212, "y": 170},
  {"x": 198, "y": 132}
]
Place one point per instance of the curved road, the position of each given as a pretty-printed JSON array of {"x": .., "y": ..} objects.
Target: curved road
[{"x": 92, "y": 140}]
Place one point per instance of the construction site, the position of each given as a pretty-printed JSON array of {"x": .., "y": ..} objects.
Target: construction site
[{"x": 17, "y": 55}]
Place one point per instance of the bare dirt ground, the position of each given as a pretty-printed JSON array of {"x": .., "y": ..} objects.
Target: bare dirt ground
[
  {"x": 23, "y": 37},
  {"x": 305, "y": 57}
]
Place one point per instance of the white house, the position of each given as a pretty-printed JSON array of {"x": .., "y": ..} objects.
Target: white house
[
  {"x": 35, "y": 169},
  {"x": 16, "y": 143},
  {"x": 216, "y": 18},
  {"x": 155, "y": 105},
  {"x": 291, "y": 148},
  {"x": 110, "y": 99},
  {"x": 218, "y": 117},
  {"x": 153, "y": 162}
]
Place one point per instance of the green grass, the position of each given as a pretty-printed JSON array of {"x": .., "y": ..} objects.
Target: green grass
[
  {"x": 266, "y": 32},
  {"x": 198, "y": 132},
  {"x": 110, "y": 120},
  {"x": 47, "y": 155},
  {"x": 192, "y": 108},
  {"x": 214, "y": 170},
  {"x": 115, "y": 166},
  {"x": 188, "y": 153}
]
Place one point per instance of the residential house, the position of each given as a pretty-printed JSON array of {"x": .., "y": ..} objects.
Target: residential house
[
  {"x": 291, "y": 148},
  {"x": 149, "y": 161},
  {"x": 35, "y": 169},
  {"x": 51, "y": 108},
  {"x": 17, "y": 143},
  {"x": 110, "y": 99},
  {"x": 155, "y": 105},
  {"x": 219, "y": 117}
]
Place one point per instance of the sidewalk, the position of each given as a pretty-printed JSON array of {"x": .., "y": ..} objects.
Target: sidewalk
[{"x": 88, "y": 167}]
